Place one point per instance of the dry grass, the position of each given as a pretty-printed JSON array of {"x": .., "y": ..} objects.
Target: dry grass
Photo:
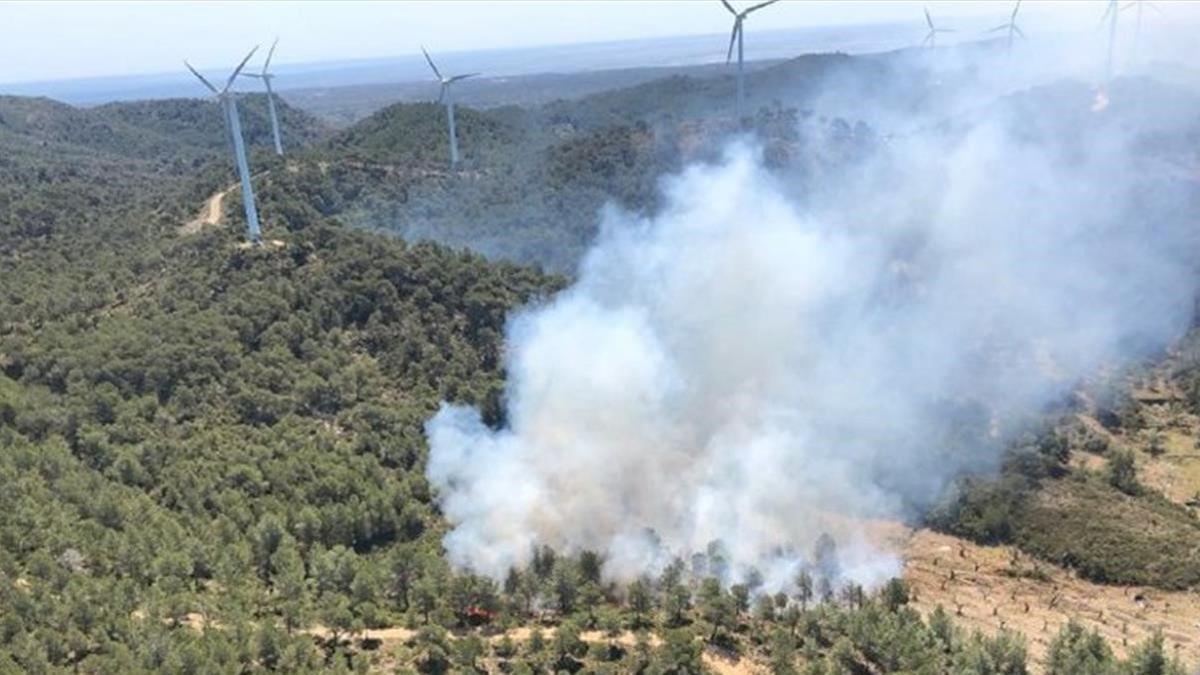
[
  {"x": 388, "y": 639},
  {"x": 995, "y": 587},
  {"x": 1167, "y": 417}
]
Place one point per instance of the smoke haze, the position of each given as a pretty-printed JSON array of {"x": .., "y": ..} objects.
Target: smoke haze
[{"x": 761, "y": 363}]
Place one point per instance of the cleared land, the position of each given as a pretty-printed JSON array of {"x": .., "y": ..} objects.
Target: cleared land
[{"x": 996, "y": 587}]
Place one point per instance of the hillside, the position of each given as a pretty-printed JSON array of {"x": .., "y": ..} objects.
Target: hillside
[
  {"x": 213, "y": 456},
  {"x": 178, "y": 129},
  {"x": 536, "y": 179},
  {"x": 192, "y": 122}
]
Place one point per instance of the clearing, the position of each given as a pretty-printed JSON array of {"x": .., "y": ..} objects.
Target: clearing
[{"x": 996, "y": 587}]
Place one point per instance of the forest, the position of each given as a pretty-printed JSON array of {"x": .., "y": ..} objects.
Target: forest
[{"x": 212, "y": 457}]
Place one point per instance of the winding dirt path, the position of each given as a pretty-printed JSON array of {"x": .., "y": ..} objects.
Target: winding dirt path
[
  {"x": 721, "y": 664},
  {"x": 210, "y": 214}
]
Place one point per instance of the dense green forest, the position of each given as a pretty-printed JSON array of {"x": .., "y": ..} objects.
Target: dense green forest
[{"x": 212, "y": 457}]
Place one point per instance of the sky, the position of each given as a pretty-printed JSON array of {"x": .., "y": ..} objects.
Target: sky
[{"x": 64, "y": 40}]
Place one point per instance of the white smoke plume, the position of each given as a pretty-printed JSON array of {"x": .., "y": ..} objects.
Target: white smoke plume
[{"x": 758, "y": 365}]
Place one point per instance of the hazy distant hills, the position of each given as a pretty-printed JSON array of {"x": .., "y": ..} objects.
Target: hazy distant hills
[
  {"x": 535, "y": 179},
  {"x": 513, "y": 75},
  {"x": 168, "y": 131}
]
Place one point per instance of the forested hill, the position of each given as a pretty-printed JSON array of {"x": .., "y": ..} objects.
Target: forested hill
[
  {"x": 62, "y": 168},
  {"x": 212, "y": 455},
  {"x": 535, "y": 180},
  {"x": 175, "y": 410},
  {"x": 169, "y": 129}
]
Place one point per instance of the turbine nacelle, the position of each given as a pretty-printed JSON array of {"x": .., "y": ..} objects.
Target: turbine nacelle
[
  {"x": 265, "y": 75},
  {"x": 931, "y": 36},
  {"x": 738, "y": 19},
  {"x": 446, "y": 81},
  {"x": 224, "y": 91},
  {"x": 1010, "y": 26}
]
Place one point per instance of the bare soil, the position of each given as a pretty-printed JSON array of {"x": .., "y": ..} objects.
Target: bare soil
[{"x": 991, "y": 588}]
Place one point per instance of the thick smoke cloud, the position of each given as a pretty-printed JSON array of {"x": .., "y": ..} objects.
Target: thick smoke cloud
[{"x": 757, "y": 365}]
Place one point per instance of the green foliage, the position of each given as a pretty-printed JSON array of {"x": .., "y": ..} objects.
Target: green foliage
[
  {"x": 895, "y": 594},
  {"x": 1121, "y": 472},
  {"x": 1077, "y": 651},
  {"x": 679, "y": 655},
  {"x": 1106, "y": 527},
  {"x": 1112, "y": 537},
  {"x": 199, "y": 429},
  {"x": 716, "y": 606},
  {"x": 1001, "y": 655},
  {"x": 1150, "y": 658}
]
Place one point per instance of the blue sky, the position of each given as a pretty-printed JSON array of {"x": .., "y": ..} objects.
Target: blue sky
[{"x": 55, "y": 40}]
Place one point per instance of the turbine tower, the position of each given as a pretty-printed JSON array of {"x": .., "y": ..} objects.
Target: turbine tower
[
  {"x": 931, "y": 37},
  {"x": 228, "y": 101},
  {"x": 1011, "y": 26},
  {"x": 447, "y": 96},
  {"x": 1137, "y": 31},
  {"x": 1111, "y": 12},
  {"x": 266, "y": 77},
  {"x": 739, "y": 19}
]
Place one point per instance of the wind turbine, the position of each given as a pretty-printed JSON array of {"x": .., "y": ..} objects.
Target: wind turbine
[
  {"x": 228, "y": 101},
  {"x": 447, "y": 96},
  {"x": 1137, "y": 31},
  {"x": 266, "y": 77},
  {"x": 739, "y": 19},
  {"x": 931, "y": 37},
  {"x": 1011, "y": 26}
]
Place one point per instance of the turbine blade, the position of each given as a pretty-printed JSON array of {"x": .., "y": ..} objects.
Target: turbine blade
[
  {"x": 729, "y": 7},
  {"x": 759, "y": 6},
  {"x": 927, "y": 40},
  {"x": 237, "y": 70},
  {"x": 997, "y": 28},
  {"x": 1018, "y": 31},
  {"x": 928, "y": 19},
  {"x": 430, "y": 62},
  {"x": 270, "y": 54},
  {"x": 201, "y": 77},
  {"x": 1016, "y": 8},
  {"x": 254, "y": 75},
  {"x": 456, "y": 78},
  {"x": 737, "y": 24},
  {"x": 1154, "y": 7}
]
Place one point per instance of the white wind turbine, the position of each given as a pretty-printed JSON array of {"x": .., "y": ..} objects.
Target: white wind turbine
[
  {"x": 1011, "y": 27},
  {"x": 739, "y": 19},
  {"x": 931, "y": 37},
  {"x": 228, "y": 101},
  {"x": 447, "y": 96},
  {"x": 266, "y": 77}
]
